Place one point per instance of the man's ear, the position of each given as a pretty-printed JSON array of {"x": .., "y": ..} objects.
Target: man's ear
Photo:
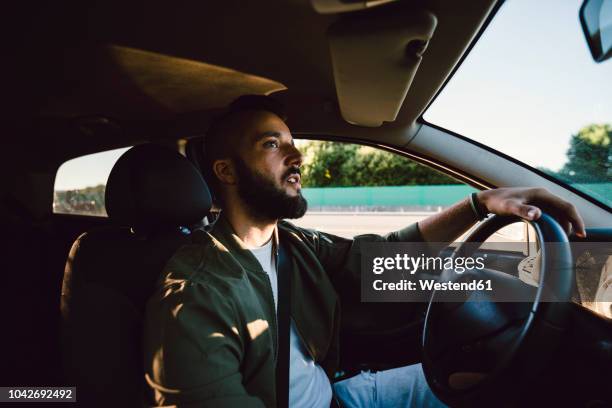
[{"x": 225, "y": 171}]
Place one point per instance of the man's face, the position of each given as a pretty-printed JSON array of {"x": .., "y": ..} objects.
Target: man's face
[{"x": 268, "y": 168}]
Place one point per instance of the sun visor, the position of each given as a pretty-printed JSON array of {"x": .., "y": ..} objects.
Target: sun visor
[
  {"x": 375, "y": 59},
  {"x": 343, "y": 6}
]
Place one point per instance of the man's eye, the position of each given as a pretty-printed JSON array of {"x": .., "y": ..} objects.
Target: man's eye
[{"x": 271, "y": 143}]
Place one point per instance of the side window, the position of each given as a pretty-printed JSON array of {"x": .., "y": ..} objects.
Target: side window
[
  {"x": 80, "y": 184},
  {"x": 353, "y": 189}
]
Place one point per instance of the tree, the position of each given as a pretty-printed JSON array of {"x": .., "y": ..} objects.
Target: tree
[
  {"x": 589, "y": 156},
  {"x": 333, "y": 164},
  {"x": 88, "y": 200}
]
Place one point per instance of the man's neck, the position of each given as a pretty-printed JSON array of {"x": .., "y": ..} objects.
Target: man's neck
[{"x": 254, "y": 233}]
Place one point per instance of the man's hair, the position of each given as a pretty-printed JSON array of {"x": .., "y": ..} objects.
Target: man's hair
[{"x": 217, "y": 144}]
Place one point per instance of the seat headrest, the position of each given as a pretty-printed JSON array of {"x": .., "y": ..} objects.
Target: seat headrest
[{"x": 152, "y": 186}]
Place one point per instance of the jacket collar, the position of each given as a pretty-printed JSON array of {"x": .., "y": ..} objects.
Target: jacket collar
[{"x": 224, "y": 232}]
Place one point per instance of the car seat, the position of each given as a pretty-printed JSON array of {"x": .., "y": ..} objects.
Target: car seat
[{"x": 153, "y": 196}]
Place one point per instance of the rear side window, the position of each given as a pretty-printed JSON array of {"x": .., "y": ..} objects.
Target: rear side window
[{"x": 80, "y": 184}]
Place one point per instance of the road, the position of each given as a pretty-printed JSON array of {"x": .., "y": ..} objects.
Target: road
[{"x": 348, "y": 225}]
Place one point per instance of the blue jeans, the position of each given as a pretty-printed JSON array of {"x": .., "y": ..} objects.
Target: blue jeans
[{"x": 398, "y": 387}]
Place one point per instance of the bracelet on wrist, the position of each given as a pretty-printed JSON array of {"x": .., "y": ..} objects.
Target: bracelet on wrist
[{"x": 477, "y": 208}]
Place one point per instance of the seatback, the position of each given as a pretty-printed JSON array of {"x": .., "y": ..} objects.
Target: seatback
[{"x": 153, "y": 195}]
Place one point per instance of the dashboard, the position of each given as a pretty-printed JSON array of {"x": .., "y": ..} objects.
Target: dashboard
[
  {"x": 593, "y": 266},
  {"x": 593, "y": 261}
]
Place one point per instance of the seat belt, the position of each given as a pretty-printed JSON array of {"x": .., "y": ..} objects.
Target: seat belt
[{"x": 284, "y": 321}]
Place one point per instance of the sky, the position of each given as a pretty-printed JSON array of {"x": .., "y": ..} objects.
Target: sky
[
  {"x": 527, "y": 85},
  {"x": 86, "y": 171}
]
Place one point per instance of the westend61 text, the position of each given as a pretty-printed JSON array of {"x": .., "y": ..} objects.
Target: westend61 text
[{"x": 432, "y": 284}]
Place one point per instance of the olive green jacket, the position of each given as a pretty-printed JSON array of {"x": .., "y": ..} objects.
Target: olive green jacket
[{"x": 210, "y": 334}]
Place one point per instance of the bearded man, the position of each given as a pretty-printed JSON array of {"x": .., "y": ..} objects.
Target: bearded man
[{"x": 212, "y": 330}]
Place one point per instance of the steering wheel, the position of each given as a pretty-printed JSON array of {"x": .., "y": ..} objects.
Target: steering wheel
[{"x": 475, "y": 348}]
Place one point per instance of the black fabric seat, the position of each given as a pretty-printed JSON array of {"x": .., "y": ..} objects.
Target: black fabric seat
[{"x": 153, "y": 196}]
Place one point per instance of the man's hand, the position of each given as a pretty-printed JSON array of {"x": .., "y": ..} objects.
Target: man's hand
[{"x": 528, "y": 204}]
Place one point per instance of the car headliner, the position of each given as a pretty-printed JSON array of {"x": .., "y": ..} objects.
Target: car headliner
[{"x": 163, "y": 71}]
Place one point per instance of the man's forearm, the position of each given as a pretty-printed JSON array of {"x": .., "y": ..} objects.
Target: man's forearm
[
  {"x": 526, "y": 203},
  {"x": 449, "y": 224}
]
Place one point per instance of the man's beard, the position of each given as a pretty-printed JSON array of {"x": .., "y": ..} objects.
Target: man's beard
[{"x": 266, "y": 201}]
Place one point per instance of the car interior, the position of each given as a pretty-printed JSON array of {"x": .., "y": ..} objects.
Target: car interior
[{"x": 87, "y": 77}]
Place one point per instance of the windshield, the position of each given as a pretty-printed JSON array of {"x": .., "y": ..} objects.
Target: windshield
[{"x": 530, "y": 89}]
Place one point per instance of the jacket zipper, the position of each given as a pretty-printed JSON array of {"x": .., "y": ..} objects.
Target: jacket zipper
[
  {"x": 274, "y": 304},
  {"x": 296, "y": 328},
  {"x": 275, "y": 318}
]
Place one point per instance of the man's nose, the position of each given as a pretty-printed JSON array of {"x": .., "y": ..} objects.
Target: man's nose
[{"x": 294, "y": 157}]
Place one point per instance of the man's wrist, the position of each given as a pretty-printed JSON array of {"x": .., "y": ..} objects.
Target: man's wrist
[
  {"x": 481, "y": 197},
  {"x": 478, "y": 205}
]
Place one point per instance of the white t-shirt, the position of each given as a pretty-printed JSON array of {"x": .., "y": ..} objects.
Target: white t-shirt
[{"x": 308, "y": 383}]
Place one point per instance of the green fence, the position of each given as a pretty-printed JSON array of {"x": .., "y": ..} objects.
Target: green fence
[
  {"x": 393, "y": 196},
  {"x": 412, "y": 196},
  {"x": 600, "y": 191}
]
